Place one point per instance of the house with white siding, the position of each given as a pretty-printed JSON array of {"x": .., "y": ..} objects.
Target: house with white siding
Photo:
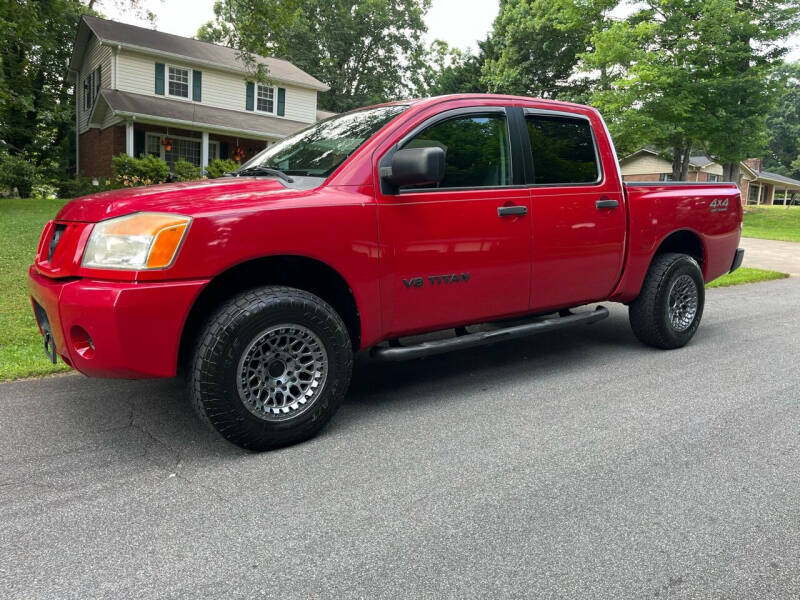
[
  {"x": 140, "y": 91},
  {"x": 757, "y": 186}
]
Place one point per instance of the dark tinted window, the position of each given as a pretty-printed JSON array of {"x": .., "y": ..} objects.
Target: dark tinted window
[
  {"x": 476, "y": 148},
  {"x": 563, "y": 150}
]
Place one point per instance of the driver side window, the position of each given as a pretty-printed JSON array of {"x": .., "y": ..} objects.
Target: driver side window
[{"x": 476, "y": 148}]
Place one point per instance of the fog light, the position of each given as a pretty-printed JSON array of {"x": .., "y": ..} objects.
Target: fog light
[{"x": 82, "y": 342}]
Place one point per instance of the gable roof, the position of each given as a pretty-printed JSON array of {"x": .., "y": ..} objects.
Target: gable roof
[
  {"x": 700, "y": 161},
  {"x": 155, "y": 42}
]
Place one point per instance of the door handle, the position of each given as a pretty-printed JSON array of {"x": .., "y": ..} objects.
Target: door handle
[
  {"x": 606, "y": 203},
  {"x": 511, "y": 211}
]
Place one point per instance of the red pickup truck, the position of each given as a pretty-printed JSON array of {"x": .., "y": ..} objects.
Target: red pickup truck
[{"x": 489, "y": 215}]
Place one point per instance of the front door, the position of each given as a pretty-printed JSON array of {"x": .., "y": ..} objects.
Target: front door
[
  {"x": 449, "y": 257},
  {"x": 578, "y": 222}
]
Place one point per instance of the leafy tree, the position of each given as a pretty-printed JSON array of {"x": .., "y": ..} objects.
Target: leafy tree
[
  {"x": 693, "y": 73},
  {"x": 362, "y": 49},
  {"x": 537, "y": 43},
  {"x": 783, "y": 125},
  {"x": 449, "y": 70},
  {"x": 37, "y": 111}
]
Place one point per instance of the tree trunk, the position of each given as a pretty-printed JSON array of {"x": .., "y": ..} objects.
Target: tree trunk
[
  {"x": 680, "y": 162},
  {"x": 687, "y": 152},
  {"x": 730, "y": 172},
  {"x": 677, "y": 162}
]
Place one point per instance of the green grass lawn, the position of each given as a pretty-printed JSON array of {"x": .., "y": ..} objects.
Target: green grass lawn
[
  {"x": 772, "y": 223},
  {"x": 21, "y": 351},
  {"x": 746, "y": 275}
]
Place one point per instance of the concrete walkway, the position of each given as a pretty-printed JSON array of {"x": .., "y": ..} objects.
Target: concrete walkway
[{"x": 769, "y": 254}]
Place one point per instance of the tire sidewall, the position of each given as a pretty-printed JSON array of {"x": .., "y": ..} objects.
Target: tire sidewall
[{"x": 684, "y": 265}]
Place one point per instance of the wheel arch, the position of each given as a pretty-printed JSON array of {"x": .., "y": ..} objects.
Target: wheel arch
[
  {"x": 683, "y": 241},
  {"x": 302, "y": 272}
]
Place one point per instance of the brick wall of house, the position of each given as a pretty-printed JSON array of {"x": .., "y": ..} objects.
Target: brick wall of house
[{"x": 97, "y": 146}]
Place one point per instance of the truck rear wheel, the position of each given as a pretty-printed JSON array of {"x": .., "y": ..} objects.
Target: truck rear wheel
[
  {"x": 668, "y": 310},
  {"x": 271, "y": 367}
]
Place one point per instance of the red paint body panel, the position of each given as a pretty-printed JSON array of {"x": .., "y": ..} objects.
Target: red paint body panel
[
  {"x": 135, "y": 328},
  {"x": 563, "y": 253},
  {"x": 656, "y": 212}
]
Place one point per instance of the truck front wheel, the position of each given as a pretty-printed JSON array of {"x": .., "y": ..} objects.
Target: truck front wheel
[
  {"x": 668, "y": 310},
  {"x": 271, "y": 367}
]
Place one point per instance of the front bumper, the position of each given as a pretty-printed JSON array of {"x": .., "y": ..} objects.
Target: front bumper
[
  {"x": 115, "y": 329},
  {"x": 738, "y": 257}
]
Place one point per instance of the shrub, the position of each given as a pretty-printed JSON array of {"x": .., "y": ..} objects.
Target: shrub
[
  {"x": 44, "y": 191},
  {"x": 83, "y": 186},
  {"x": 145, "y": 170},
  {"x": 220, "y": 166},
  {"x": 20, "y": 172},
  {"x": 186, "y": 171}
]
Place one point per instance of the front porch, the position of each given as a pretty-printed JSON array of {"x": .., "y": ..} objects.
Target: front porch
[
  {"x": 198, "y": 147},
  {"x": 173, "y": 130},
  {"x": 769, "y": 192}
]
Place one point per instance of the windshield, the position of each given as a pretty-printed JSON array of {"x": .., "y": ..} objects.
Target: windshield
[{"x": 319, "y": 149}]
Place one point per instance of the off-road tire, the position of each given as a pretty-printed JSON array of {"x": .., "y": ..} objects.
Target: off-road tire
[
  {"x": 649, "y": 313},
  {"x": 213, "y": 379}
]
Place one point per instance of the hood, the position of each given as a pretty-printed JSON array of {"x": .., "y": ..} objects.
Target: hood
[{"x": 189, "y": 198}]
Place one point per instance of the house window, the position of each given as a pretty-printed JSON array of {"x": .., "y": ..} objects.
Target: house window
[
  {"x": 714, "y": 177},
  {"x": 183, "y": 148},
  {"x": 665, "y": 176},
  {"x": 91, "y": 88},
  {"x": 265, "y": 98},
  {"x": 178, "y": 82},
  {"x": 152, "y": 144}
]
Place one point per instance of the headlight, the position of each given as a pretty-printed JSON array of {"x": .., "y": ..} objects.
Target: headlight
[{"x": 137, "y": 241}]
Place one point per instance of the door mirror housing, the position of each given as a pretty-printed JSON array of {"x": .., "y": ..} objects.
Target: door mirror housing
[{"x": 415, "y": 166}]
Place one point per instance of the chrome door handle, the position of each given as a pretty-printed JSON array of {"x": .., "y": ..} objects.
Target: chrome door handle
[{"x": 512, "y": 211}]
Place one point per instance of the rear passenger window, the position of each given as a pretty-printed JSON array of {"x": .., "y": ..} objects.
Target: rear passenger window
[
  {"x": 477, "y": 152},
  {"x": 563, "y": 150}
]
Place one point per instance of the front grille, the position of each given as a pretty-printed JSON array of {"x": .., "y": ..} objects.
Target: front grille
[{"x": 58, "y": 231}]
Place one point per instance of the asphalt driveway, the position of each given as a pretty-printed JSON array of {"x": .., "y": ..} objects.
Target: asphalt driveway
[{"x": 575, "y": 464}]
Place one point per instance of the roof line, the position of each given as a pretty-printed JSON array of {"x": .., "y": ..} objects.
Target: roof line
[{"x": 179, "y": 36}]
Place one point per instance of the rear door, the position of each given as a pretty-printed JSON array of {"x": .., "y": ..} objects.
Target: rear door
[
  {"x": 449, "y": 257},
  {"x": 578, "y": 223}
]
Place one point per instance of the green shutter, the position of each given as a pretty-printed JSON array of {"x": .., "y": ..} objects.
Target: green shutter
[
  {"x": 281, "y": 101},
  {"x": 197, "y": 85},
  {"x": 160, "y": 79},
  {"x": 250, "y": 103}
]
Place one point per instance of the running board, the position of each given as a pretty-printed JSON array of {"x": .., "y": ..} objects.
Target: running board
[{"x": 482, "y": 338}]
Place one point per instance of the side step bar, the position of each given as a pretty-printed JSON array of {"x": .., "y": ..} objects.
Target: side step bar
[{"x": 482, "y": 338}]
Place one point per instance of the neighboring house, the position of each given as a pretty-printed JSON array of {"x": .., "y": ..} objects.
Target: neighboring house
[
  {"x": 757, "y": 186},
  {"x": 140, "y": 91}
]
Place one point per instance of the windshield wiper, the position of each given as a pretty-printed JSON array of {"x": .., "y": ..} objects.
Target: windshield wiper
[{"x": 261, "y": 170}]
